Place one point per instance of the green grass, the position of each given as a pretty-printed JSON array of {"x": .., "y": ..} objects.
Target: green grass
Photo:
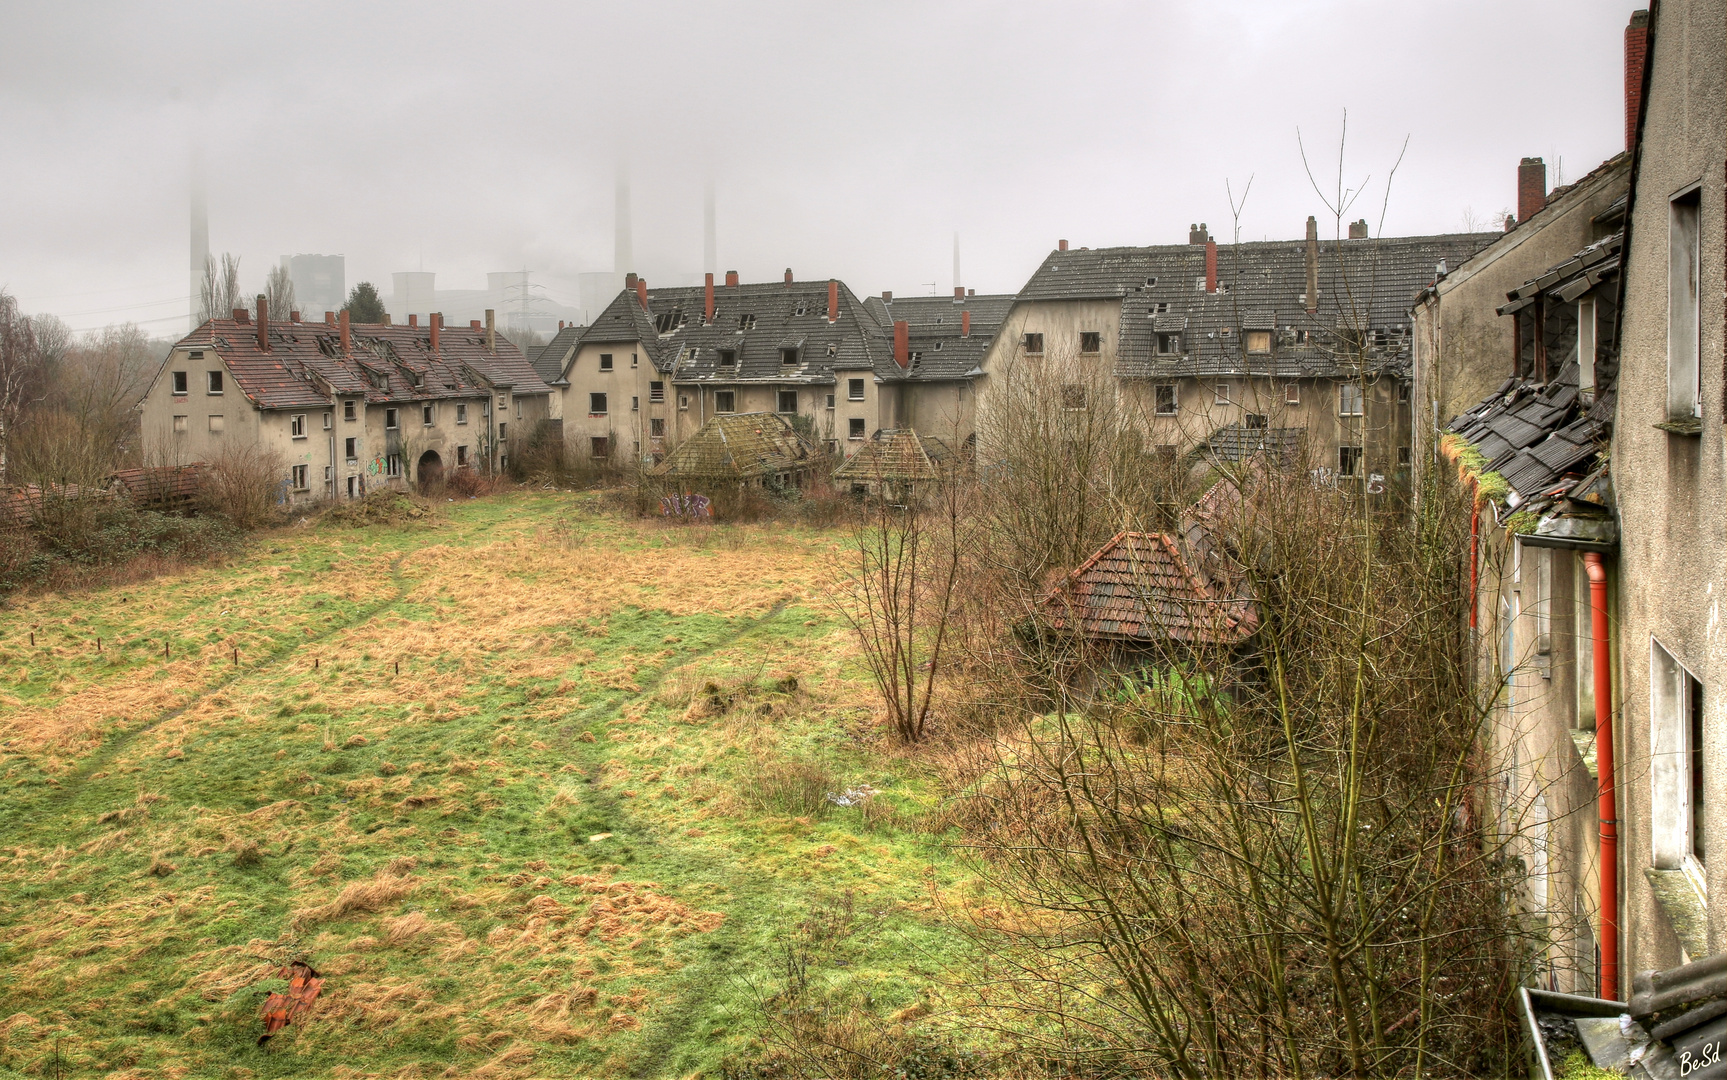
[{"x": 572, "y": 835}]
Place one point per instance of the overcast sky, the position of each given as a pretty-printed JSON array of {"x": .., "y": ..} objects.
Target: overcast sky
[{"x": 851, "y": 141}]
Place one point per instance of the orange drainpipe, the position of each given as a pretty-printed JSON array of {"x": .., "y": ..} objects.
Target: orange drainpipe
[{"x": 1592, "y": 565}]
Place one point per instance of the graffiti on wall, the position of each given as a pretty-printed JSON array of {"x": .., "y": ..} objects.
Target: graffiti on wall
[{"x": 689, "y": 506}]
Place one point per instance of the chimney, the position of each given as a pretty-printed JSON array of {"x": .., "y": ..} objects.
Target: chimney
[
  {"x": 1196, "y": 234},
  {"x": 630, "y": 280},
  {"x": 1061, "y": 245},
  {"x": 386, "y": 318},
  {"x": 731, "y": 279},
  {"x": 833, "y": 301},
  {"x": 437, "y": 322},
  {"x": 886, "y": 297},
  {"x": 474, "y": 324},
  {"x": 560, "y": 325},
  {"x": 1510, "y": 222},
  {"x": 1531, "y": 187},
  {"x": 902, "y": 343},
  {"x": 342, "y": 331},
  {"x": 263, "y": 324},
  {"x": 708, "y": 301},
  {"x": 971, "y": 292},
  {"x": 241, "y": 317},
  {"x": 965, "y": 324},
  {"x": 293, "y": 316},
  {"x": 1312, "y": 265},
  {"x": 1358, "y": 229},
  {"x": 788, "y": 276},
  {"x": 642, "y": 292},
  {"x": 1636, "y": 56},
  {"x": 329, "y": 318},
  {"x": 413, "y": 320},
  {"x": 959, "y": 294},
  {"x": 491, "y": 332},
  {"x": 1211, "y": 266}
]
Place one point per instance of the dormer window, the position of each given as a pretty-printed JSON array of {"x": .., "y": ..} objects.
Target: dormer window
[
  {"x": 1168, "y": 344},
  {"x": 788, "y": 356},
  {"x": 833, "y": 348},
  {"x": 801, "y": 309},
  {"x": 1258, "y": 341},
  {"x": 1150, "y": 281},
  {"x": 746, "y": 322},
  {"x": 728, "y": 357}
]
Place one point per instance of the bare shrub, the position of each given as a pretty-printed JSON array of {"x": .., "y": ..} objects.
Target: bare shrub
[
  {"x": 246, "y": 484},
  {"x": 794, "y": 786}
]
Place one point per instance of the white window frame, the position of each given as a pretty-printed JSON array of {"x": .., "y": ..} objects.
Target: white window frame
[
  {"x": 1345, "y": 392},
  {"x": 297, "y": 426},
  {"x": 214, "y": 384},
  {"x": 1671, "y": 686},
  {"x": 1223, "y": 392},
  {"x": 299, "y": 478},
  {"x": 1685, "y": 305},
  {"x": 461, "y": 413},
  {"x": 179, "y": 384}
]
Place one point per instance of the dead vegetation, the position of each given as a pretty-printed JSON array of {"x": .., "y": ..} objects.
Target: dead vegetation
[{"x": 385, "y": 507}]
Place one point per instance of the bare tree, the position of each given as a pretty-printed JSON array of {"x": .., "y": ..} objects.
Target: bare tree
[
  {"x": 21, "y": 373},
  {"x": 279, "y": 291},
  {"x": 220, "y": 294}
]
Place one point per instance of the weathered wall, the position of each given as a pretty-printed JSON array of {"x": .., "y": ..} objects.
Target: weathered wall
[{"x": 1672, "y": 487}]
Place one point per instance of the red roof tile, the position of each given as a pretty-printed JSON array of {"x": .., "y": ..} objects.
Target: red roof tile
[{"x": 1139, "y": 587}]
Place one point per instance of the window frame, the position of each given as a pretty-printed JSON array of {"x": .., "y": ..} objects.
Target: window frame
[
  {"x": 1032, "y": 343},
  {"x": 428, "y": 415},
  {"x": 780, "y": 401},
  {"x": 299, "y": 478},
  {"x": 350, "y": 412},
  {"x": 1157, "y": 407},
  {"x": 392, "y": 419},
  {"x": 1676, "y": 695},
  {"x": 599, "y": 403},
  {"x": 1349, "y": 459},
  {"x": 461, "y": 412},
  {"x": 297, "y": 426},
  {"x": 1090, "y": 342},
  {"x": 855, "y": 390},
  {"x": 1223, "y": 393},
  {"x": 179, "y": 384},
  {"x": 856, "y": 429},
  {"x": 606, "y": 361},
  {"x": 1347, "y": 390},
  {"x": 1685, "y": 313},
  {"x": 351, "y": 449},
  {"x": 731, "y": 401},
  {"x": 213, "y": 383}
]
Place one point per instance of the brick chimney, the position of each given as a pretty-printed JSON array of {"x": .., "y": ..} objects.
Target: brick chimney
[
  {"x": 833, "y": 300},
  {"x": 731, "y": 279},
  {"x": 474, "y": 324},
  {"x": 1358, "y": 229},
  {"x": 491, "y": 331},
  {"x": 788, "y": 276},
  {"x": 386, "y": 318},
  {"x": 1312, "y": 265},
  {"x": 263, "y": 324},
  {"x": 708, "y": 301},
  {"x": 887, "y": 297},
  {"x": 1061, "y": 245},
  {"x": 902, "y": 343},
  {"x": 342, "y": 332},
  {"x": 1197, "y": 234},
  {"x": 1636, "y": 56},
  {"x": 959, "y": 294},
  {"x": 965, "y": 324},
  {"x": 293, "y": 316},
  {"x": 642, "y": 292},
  {"x": 436, "y": 319},
  {"x": 413, "y": 320},
  {"x": 329, "y": 318},
  {"x": 1531, "y": 187},
  {"x": 630, "y": 280},
  {"x": 1211, "y": 266},
  {"x": 560, "y": 325}
]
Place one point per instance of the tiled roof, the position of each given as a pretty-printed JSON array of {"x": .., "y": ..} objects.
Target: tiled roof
[
  {"x": 1535, "y": 435},
  {"x": 933, "y": 324},
  {"x": 305, "y": 366},
  {"x": 740, "y": 446},
  {"x": 900, "y": 454},
  {"x": 1363, "y": 284},
  {"x": 1572, "y": 278},
  {"x": 551, "y": 358},
  {"x": 1139, "y": 587},
  {"x": 162, "y": 483},
  {"x": 1238, "y": 442}
]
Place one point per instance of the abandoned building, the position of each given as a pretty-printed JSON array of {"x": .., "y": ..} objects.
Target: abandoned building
[
  {"x": 761, "y": 449},
  {"x": 1596, "y": 455},
  {"x": 349, "y": 408},
  {"x": 894, "y": 462}
]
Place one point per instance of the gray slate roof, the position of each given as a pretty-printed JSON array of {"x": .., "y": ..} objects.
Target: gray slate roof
[
  {"x": 1362, "y": 284},
  {"x": 933, "y": 325},
  {"x": 550, "y": 359}
]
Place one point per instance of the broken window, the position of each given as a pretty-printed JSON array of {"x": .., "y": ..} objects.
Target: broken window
[
  {"x": 213, "y": 383},
  {"x": 596, "y": 404},
  {"x": 656, "y": 393},
  {"x": 728, "y": 357},
  {"x": 1684, "y": 324},
  {"x": 1073, "y": 397},
  {"x": 671, "y": 321},
  {"x": 297, "y": 426},
  {"x": 1349, "y": 399},
  {"x": 179, "y": 423},
  {"x": 724, "y": 401},
  {"x": 657, "y": 428},
  {"x": 393, "y": 465},
  {"x": 833, "y": 348},
  {"x": 1255, "y": 421},
  {"x": 854, "y": 389},
  {"x": 1160, "y": 308},
  {"x": 351, "y": 448},
  {"x": 1586, "y": 346},
  {"x": 683, "y": 401},
  {"x": 461, "y": 414},
  {"x": 1403, "y": 457},
  {"x": 1168, "y": 344},
  {"x": 348, "y": 410},
  {"x": 1166, "y": 399},
  {"x": 426, "y": 415},
  {"x": 1403, "y": 392},
  {"x": 788, "y": 401},
  {"x": 1150, "y": 281},
  {"x": 1676, "y": 762},
  {"x": 1258, "y": 341},
  {"x": 1349, "y": 461},
  {"x": 802, "y": 308},
  {"x": 1301, "y": 337},
  {"x": 600, "y": 446},
  {"x": 390, "y": 421},
  {"x": 1090, "y": 341},
  {"x": 179, "y": 382},
  {"x": 746, "y": 322},
  {"x": 1034, "y": 343},
  {"x": 461, "y": 455},
  {"x": 298, "y": 474},
  {"x": 605, "y": 361},
  {"x": 855, "y": 428},
  {"x": 788, "y": 356}
]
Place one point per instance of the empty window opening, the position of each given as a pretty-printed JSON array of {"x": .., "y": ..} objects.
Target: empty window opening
[
  {"x": 299, "y": 474},
  {"x": 461, "y": 414},
  {"x": 1160, "y": 308},
  {"x": 1034, "y": 343},
  {"x": 297, "y": 426},
  {"x": 788, "y": 401},
  {"x": 1255, "y": 420},
  {"x": 1166, "y": 399},
  {"x": 426, "y": 415},
  {"x": 1168, "y": 344},
  {"x": 1150, "y": 282},
  {"x": 854, "y": 389},
  {"x": 657, "y": 428},
  {"x": 1684, "y": 323},
  {"x": 213, "y": 381},
  {"x": 1676, "y": 802},
  {"x": 596, "y": 404},
  {"x": 801, "y": 309},
  {"x": 635, "y": 403},
  {"x": 724, "y": 401},
  {"x": 728, "y": 357},
  {"x": 788, "y": 356},
  {"x": 393, "y": 465},
  {"x": 1301, "y": 337},
  {"x": 656, "y": 393},
  {"x": 605, "y": 361},
  {"x": 351, "y": 449},
  {"x": 390, "y": 420},
  {"x": 855, "y": 428},
  {"x": 746, "y": 322},
  {"x": 600, "y": 446},
  {"x": 1090, "y": 341},
  {"x": 179, "y": 382},
  {"x": 833, "y": 348},
  {"x": 348, "y": 410},
  {"x": 1349, "y": 460},
  {"x": 461, "y": 455}
]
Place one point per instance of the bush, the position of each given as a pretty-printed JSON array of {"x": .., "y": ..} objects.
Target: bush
[
  {"x": 118, "y": 537},
  {"x": 247, "y": 485}
]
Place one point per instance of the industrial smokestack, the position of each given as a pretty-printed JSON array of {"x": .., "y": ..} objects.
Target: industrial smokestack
[
  {"x": 956, "y": 278},
  {"x": 200, "y": 253},
  {"x": 622, "y": 255},
  {"x": 710, "y": 232}
]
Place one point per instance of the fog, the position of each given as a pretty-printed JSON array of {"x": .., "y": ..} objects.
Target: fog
[{"x": 850, "y": 141}]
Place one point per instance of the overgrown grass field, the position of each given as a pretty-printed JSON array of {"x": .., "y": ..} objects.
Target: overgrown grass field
[{"x": 540, "y": 790}]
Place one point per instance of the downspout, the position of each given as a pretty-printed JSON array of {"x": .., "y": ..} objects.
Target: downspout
[
  {"x": 1597, "y": 573},
  {"x": 1474, "y": 560}
]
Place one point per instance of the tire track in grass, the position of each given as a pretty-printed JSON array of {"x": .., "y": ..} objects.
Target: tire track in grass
[{"x": 73, "y": 782}]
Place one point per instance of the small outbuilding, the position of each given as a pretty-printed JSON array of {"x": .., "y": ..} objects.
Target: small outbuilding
[
  {"x": 894, "y": 462},
  {"x": 761, "y": 449}
]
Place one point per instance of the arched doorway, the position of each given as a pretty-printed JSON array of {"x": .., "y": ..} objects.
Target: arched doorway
[{"x": 430, "y": 471}]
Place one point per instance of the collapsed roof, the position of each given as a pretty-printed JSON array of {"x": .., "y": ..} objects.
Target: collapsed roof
[
  {"x": 740, "y": 446},
  {"x": 1139, "y": 587}
]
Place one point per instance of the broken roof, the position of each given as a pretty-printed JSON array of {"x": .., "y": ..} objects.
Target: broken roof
[
  {"x": 1239, "y": 442},
  {"x": 934, "y": 323},
  {"x": 900, "y": 454},
  {"x": 1140, "y": 587},
  {"x": 305, "y": 367},
  {"x": 740, "y": 446},
  {"x": 1364, "y": 286}
]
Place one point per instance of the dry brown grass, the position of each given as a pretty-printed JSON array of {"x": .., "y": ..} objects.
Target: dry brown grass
[{"x": 374, "y": 894}]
